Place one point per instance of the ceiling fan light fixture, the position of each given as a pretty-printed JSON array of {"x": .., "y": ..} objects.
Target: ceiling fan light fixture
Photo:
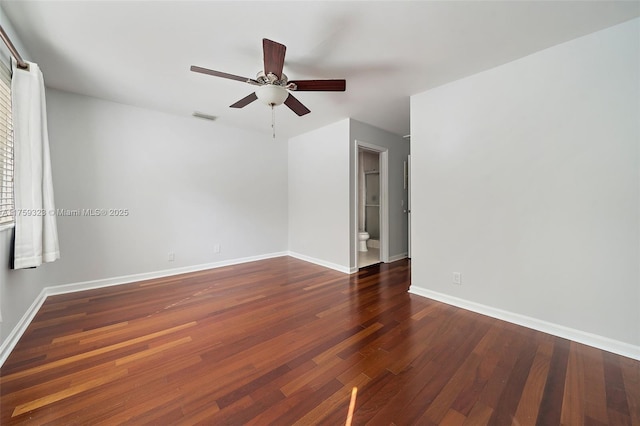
[{"x": 271, "y": 94}]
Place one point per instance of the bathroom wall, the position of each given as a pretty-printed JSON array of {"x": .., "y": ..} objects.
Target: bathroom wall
[
  {"x": 361, "y": 191},
  {"x": 371, "y": 163}
]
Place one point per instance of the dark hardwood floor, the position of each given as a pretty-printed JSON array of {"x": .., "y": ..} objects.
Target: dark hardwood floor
[{"x": 283, "y": 342}]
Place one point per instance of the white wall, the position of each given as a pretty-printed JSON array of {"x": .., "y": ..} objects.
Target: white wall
[
  {"x": 526, "y": 180},
  {"x": 188, "y": 184},
  {"x": 319, "y": 212},
  {"x": 5, "y": 55},
  {"x": 398, "y": 149}
]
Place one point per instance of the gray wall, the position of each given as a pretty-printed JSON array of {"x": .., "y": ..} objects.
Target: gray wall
[
  {"x": 525, "y": 179},
  {"x": 188, "y": 185}
]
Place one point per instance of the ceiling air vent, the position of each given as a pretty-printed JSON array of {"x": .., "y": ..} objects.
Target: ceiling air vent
[{"x": 205, "y": 116}]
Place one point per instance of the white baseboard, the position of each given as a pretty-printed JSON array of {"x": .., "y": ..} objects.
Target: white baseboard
[
  {"x": 396, "y": 257},
  {"x": 125, "y": 279},
  {"x": 14, "y": 336},
  {"x": 330, "y": 265},
  {"x": 16, "y": 333},
  {"x": 589, "y": 339},
  {"x": 600, "y": 342}
]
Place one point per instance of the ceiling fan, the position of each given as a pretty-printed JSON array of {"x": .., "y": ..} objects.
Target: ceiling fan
[{"x": 273, "y": 86}]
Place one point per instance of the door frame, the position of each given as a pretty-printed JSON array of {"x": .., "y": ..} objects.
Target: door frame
[
  {"x": 409, "y": 206},
  {"x": 384, "y": 199}
]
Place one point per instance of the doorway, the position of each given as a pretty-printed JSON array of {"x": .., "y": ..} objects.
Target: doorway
[{"x": 371, "y": 236}]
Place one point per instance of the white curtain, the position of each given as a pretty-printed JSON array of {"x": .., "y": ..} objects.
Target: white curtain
[{"x": 36, "y": 233}]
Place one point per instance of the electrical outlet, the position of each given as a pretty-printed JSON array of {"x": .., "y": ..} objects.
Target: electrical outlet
[
  {"x": 171, "y": 256},
  {"x": 216, "y": 249},
  {"x": 457, "y": 278}
]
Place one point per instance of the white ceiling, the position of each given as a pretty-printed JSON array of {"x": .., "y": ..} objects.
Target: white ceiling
[{"x": 139, "y": 52}]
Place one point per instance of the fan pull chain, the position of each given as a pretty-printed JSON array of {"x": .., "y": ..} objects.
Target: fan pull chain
[{"x": 273, "y": 120}]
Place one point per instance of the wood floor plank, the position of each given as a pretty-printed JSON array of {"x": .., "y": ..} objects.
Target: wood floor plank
[
  {"x": 84, "y": 334},
  {"x": 453, "y": 418},
  {"x": 302, "y": 402},
  {"x": 68, "y": 392},
  {"x": 437, "y": 411},
  {"x": 282, "y": 341},
  {"x": 336, "y": 399},
  {"x": 480, "y": 415},
  {"x": 617, "y": 405},
  {"x": 552, "y": 396},
  {"x": 573, "y": 408},
  {"x": 527, "y": 411},
  {"x": 594, "y": 381},
  {"x": 376, "y": 394},
  {"x": 248, "y": 388},
  {"x": 631, "y": 377},
  {"x": 448, "y": 374},
  {"x": 512, "y": 392},
  {"x": 470, "y": 392},
  {"x": 81, "y": 356}
]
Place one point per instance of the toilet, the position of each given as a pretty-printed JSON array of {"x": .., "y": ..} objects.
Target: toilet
[{"x": 362, "y": 240}]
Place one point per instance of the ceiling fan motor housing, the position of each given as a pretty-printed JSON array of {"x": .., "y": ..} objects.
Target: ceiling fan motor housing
[{"x": 271, "y": 78}]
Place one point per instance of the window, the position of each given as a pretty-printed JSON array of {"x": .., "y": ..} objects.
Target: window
[{"x": 6, "y": 149}]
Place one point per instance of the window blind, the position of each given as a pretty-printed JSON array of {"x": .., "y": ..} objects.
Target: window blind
[{"x": 6, "y": 149}]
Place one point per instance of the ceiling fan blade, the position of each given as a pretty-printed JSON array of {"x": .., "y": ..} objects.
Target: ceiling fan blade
[
  {"x": 245, "y": 101},
  {"x": 296, "y": 106},
  {"x": 221, "y": 74},
  {"x": 320, "y": 85},
  {"x": 273, "y": 57}
]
